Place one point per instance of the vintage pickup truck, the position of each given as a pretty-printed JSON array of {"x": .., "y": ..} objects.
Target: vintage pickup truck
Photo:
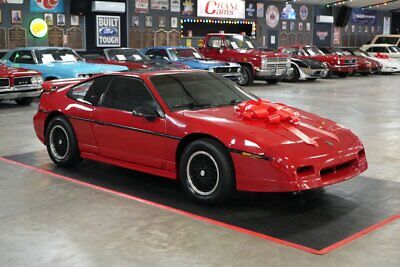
[
  {"x": 20, "y": 85},
  {"x": 256, "y": 64}
]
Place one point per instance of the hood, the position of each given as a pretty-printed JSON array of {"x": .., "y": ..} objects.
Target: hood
[
  {"x": 310, "y": 63},
  {"x": 206, "y": 63},
  {"x": 83, "y": 67},
  {"x": 135, "y": 65},
  {"x": 15, "y": 72},
  {"x": 263, "y": 136}
]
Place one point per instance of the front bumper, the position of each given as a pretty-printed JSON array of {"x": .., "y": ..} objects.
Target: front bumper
[
  {"x": 271, "y": 73},
  {"x": 307, "y": 73},
  {"x": 25, "y": 92},
  {"x": 344, "y": 68}
]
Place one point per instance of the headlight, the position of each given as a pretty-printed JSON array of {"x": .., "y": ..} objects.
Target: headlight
[
  {"x": 211, "y": 70},
  {"x": 37, "y": 80},
  {"x": 264, "y": 63}
]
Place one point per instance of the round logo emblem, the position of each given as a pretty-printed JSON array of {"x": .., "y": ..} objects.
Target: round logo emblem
[
  {"x": 304, "y": 12},
  {"x": 272, "y": 16},
  {"x": 38, "y": 28},
  {"x": 47, "y": 4}
]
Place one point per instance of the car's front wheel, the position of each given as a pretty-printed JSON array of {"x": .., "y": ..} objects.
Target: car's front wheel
[
  {"x": 246, "y": 76},
  {"x": 206, "y": 172},
  {"x": 61, "y": 142}
]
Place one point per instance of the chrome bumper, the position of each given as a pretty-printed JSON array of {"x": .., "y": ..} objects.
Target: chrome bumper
[
  {"x": 306, "y": 73},
  {"x": 15, "y": 93},
  {"x": 271, "y": 74}
]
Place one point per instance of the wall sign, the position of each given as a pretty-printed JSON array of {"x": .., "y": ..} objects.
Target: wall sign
[
  {"x": 303, "y": 12},
  {"x": 260, "y": 10},
  {"x": 108, "y": 31},
  {"x": 54, "y": 6},
  {"x": 364, "y": 17},
  {"x": 272, "y": 16},
  {"x": 288, "y": 12},
  {"x": 159, "y": 4},
  {"x": 38, "y": 28},
  {"x": 141, "y": 6},
  {"x": 234, "y": 9}
]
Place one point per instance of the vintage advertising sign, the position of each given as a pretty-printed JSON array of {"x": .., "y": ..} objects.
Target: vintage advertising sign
[
  {"x": 272, "y": 16},
  {"x": 108, "y": 31},
  {"x": 54, "y": 6},
  {"x": 363, "y": 16},
  {"x": 141, "y": 6},
  {"x": 234, "y": 9},
  {"x": 38, "y": 28}
]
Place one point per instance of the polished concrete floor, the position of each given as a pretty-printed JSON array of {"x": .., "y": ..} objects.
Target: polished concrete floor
[{"x": 45, "y": 221}]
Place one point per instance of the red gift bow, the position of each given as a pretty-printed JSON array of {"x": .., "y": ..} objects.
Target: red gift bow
[
  {"x": 382, "y": 56},
  {"x": 275, "y": 113}
]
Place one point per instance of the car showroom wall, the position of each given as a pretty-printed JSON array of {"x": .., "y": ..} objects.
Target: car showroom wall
[{"x": 145, "y": 23}]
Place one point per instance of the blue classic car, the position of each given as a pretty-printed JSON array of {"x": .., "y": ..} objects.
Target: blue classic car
[
  {"x": 56, "y": 63},
  {"x": 189, "y": 56}
]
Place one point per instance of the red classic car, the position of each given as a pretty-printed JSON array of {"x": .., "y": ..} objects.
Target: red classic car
[
  {"x": 129, "y": 57},
  {"x": 339, "y": 65},
  {"x": 365, "y": 65},
  {"x": 256, "y": 64},
  {"x": 20, "y": 85},
  {"x": 197, "y": 127}
]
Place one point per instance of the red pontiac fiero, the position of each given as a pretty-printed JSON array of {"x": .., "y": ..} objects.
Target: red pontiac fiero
[{"x": 197, "y": 127}]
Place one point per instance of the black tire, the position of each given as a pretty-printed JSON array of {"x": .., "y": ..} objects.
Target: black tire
[
  {"x": 247, "y": 76},
  {"x": 273, "y": 81},
  {"x": 311, "y": 79},
  {"x": 343, "y": 74},
  {"x": 24, "y": 101},
  {"x": 61, "y": 142},
  {"x": 294, "y": 76},
  {"x": 206, "y": 172}
]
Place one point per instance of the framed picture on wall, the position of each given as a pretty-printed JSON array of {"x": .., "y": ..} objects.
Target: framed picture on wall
[
  {"x": 149, "y": 21},
  {"x": 74, "y": 20},
  {"x": 300, "y": 26},
  {"x": 284, "y": 25},
  {"x": 174, "y": 22},
  {"x": 135, "y": 21},
  {"x": 353, "y": 28},
  {"x": 292, "y": 25},
  {"x": 60, "y": 19},
  {"x": 161, "y": 22},
  {"x": 48, "y": 17},
  {"x": 308, "y": 26},
  {"x": 1, "y": 17},
  {"x": 16, "y": 16}
]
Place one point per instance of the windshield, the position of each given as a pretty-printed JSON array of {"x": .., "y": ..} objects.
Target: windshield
[
  {"x": 313, "y": 51},
  {"x": 360, "y": 53},
  {"x": 198, "y": 90},
  {"x": 125, "y": 55},
  {"x": 239, "y": 41},
  {"x": 340, "y": 52},
  {"x": 57, "y": 55},
  {"x": 185, "y": 53},
  {"x": 394, "y": 49}
]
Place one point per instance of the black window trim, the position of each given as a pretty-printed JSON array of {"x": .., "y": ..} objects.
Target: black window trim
[
  {"x": 160, "y": 111},
  {"x": 35, "y": 62}
]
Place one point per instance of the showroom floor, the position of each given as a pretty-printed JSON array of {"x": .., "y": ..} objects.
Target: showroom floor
[{"x": 48, "y": 221}]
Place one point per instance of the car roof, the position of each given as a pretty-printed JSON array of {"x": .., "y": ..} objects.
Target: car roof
[
  {"x": 39, "y": 48},
  {"x": 169, "y": 47},
  {"x": 145, "y": 73}
]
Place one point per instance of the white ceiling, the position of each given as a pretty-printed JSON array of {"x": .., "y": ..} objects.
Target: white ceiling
[{"x": 356, "y": 3}]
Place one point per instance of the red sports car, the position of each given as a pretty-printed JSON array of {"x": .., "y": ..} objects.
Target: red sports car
[{"x": 197, "y": 127}]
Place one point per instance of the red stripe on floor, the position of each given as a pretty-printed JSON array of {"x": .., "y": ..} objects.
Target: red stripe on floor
[{"x": 211, "y": 221}]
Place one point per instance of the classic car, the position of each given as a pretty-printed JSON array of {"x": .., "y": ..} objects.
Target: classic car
[
  {"x": 365, "y": 65},
  {"x": 339, "y": 65},
  {"x": 18, "y": 84},
  {"x": 129, "y": 57},
  {"x": 56, "y": 63},
  {"x": 256, "y": 64},
  {"x": 198, "y": 127},
  {"x": 190, "y": 57},
  {"x": 391, "y": 51},
  {"x": 389, "y": 65}
]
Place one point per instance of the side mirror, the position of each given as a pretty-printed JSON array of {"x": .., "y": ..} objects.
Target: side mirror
[{"x": 146, "y": 112}]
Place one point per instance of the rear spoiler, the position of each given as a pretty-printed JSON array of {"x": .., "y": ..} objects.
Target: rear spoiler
[{"x": 54, "y": 85}]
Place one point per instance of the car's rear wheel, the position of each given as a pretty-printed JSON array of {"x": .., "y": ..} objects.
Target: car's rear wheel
[
  {"x": 61, "y": 142},
  {"x": 293, "y": 75},
  {"x": 24, "y": 101},
  {"x": 246, "y": 77},
  {"x": 206, "y": 172}
]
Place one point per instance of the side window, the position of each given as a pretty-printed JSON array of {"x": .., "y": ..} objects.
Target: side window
[
  {"x": 90, "y": 91},
  {"x": 24, "y": 57},
  {"x": 12, "y": 58},
  {"x": 215, "y": 42},
  {"x": 128, "y": 94}
]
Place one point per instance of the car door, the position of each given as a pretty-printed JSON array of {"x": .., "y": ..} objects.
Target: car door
[
  {"x": 215, "y": 46},
  {"x": 86, "y": 96},
  {"x": 124, "y": 136}
]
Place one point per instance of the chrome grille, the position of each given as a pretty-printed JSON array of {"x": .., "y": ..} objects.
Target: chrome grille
[
  {"x": 4, "y": 82},
  {"x": 21, "y": 81},
  {"x": 226, "y": 70}
]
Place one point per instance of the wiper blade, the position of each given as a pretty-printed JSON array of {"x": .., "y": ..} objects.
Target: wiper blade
[{"x": 193, "y": 105}]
